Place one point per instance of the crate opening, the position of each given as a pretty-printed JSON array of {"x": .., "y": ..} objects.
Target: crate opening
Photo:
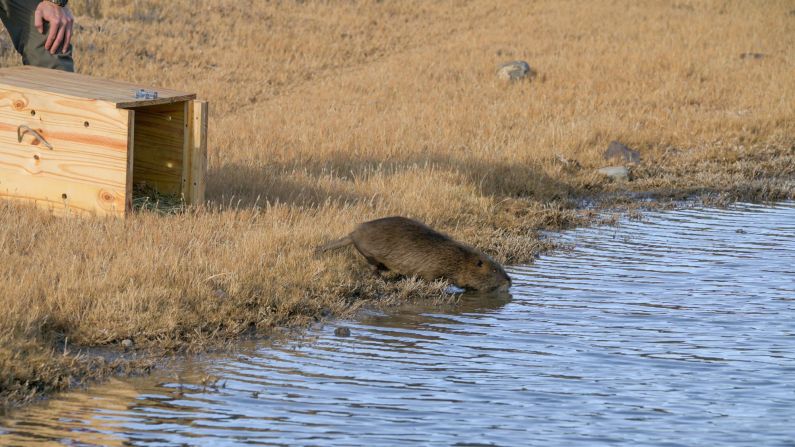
[{"x": 160, "y": 137}]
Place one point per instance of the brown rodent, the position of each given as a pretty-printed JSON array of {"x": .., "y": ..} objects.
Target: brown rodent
[{"x": 411, "y": 248}]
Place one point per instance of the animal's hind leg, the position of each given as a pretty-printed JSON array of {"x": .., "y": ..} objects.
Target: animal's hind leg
[
  {"x": 376, "y": 267},
  {"x": 384, "y": 272}
]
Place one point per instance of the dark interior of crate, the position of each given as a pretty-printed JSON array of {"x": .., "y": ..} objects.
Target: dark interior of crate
[{"x": 159, "y": 137}]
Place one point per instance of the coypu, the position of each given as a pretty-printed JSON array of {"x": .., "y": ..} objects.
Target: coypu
[{"x": 411, "y": 248}]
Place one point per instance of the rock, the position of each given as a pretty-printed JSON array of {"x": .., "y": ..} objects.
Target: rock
[
  {"x": 220, "y": 294},
  {"x": 617, "y": 173},
  {"x": 620, "y": 150},
  {"x": 127, "y": 344},
  {"x": 342, "y": 331},
  {"x": 515, "y": 70},
  {"x": 752, "y": 56}
]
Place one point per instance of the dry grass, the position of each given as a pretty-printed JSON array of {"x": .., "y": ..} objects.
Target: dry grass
[{"x": 327, "y": 113}]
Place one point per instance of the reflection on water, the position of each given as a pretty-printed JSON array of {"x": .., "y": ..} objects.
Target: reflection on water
[{"x": 675, "y": 331}]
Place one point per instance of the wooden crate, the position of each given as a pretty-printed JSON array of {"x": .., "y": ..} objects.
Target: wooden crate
[{"x": 77, "y": 144}]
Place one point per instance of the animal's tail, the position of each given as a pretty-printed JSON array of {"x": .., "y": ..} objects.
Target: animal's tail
[{"x": 333, "y": 245}]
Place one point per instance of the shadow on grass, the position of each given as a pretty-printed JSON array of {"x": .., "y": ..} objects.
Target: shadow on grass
[
  {"x": 245, "y": 186},
  {"x": 307, "y": 182}
]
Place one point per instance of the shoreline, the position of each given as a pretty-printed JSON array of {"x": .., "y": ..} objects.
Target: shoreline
[{"x": 89, "y": 365}]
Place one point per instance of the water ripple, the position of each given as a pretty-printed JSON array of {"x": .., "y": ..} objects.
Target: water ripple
[{"x": 677, "y": 330}]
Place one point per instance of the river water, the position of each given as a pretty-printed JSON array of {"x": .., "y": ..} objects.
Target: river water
[{"x": 677, "y": 330}]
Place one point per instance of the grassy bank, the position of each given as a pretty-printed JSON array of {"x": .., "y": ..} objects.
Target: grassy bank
[{"x": 324, "y": 114}]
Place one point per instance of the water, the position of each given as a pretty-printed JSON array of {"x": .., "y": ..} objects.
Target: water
[{"x": 674, "y": 331}]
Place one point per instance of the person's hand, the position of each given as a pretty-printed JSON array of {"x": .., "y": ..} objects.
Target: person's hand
[{"x": 60, "y": 20}]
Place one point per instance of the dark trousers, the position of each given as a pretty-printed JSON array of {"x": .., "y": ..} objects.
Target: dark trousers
[{"x": 18, "y": 18}]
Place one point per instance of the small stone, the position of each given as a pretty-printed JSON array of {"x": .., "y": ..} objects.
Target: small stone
[
  {"x": 740, "y": 231},
  {"x": 515, "y": 70},
  {"x": 618, "y": 173},
  {"x": 620, "y": 150},
  {"x": 220, "y": 294},
  {"x": 342, "y": 331},
  {"x": 127, "y": 344},
  {"x": 752, "y": 56}
]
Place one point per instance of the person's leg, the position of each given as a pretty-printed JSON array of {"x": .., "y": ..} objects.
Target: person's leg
[{"x": 18, "y": 18}]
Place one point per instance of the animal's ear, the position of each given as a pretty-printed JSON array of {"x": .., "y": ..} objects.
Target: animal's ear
[{"x": 480, "y": 263}]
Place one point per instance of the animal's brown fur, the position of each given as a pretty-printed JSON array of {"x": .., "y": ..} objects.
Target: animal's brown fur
[{"x": 411, "y": 248}]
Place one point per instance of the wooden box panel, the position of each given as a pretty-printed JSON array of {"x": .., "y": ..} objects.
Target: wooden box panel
[
  {"x": 75, "y": 144},
  {"x": 195, "y": 167},
  {"x": 86, "y": 168}
]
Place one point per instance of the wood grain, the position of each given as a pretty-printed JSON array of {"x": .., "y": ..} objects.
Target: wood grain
[
  {"x": 159, "y": 137},
  {"x": 128, "y": 187},
  {"x": 84, "y": 173},
  {"x": 196, "y": 153},
  {"x": 121, "y": 94},
  {"x": 100, "y": 149}
]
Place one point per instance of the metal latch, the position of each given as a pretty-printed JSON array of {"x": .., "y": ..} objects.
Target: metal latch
[{"x": 145, "y": 94}]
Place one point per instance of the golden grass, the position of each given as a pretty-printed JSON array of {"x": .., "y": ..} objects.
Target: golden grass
[{"x": 328, "y": 113}]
